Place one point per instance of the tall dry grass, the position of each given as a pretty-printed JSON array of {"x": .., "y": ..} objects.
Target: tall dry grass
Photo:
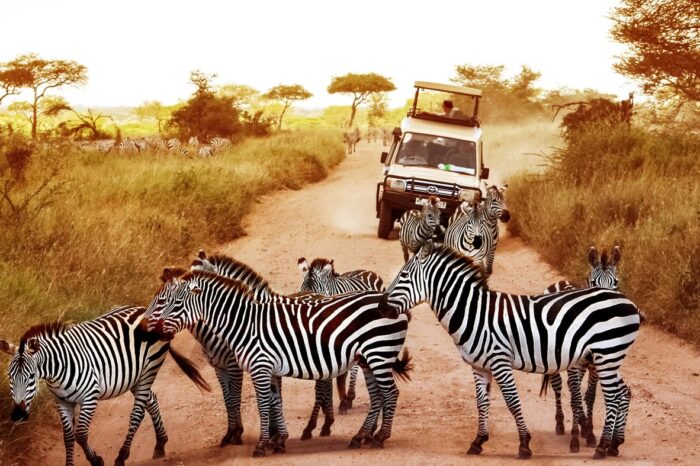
[
  {"x": 629, "y": 187},
  {"x": 115, "y": 221}
]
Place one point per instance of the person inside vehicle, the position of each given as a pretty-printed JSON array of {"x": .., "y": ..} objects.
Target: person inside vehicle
[
  {"x": 411, "y": 153},
  {"x": 461, "y": 155},
  {"x": 450, "y": 111}
]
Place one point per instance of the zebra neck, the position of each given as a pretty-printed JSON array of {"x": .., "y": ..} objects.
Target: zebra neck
[
  {"x": 456, "y": 294},
  {"x": 229, "y": 313}
]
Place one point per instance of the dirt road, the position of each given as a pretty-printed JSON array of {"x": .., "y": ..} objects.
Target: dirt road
[{"x": 436, "y": 415}]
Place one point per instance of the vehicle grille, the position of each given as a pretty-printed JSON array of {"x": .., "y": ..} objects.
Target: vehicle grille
[{"x": 442, "y": 190}]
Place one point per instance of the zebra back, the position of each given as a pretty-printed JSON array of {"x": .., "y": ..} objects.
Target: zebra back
[{"x": 320, "y": 277}]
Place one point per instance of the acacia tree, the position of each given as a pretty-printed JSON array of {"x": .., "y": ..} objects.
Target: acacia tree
[
  {"x": 243, "y": 96},
  {"x": 361, "y": 86},
  {"x": 664, "y": 42},
  {"x": 154, "y": 110},
  {"x": 12, "y": 80},
  {"x": 43, "y": 75},
  {"x": 286, "y": 95}
]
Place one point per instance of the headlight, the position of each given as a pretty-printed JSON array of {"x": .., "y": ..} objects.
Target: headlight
[
  {"x": 396, "y": 185},
  {"x": 470, "y": 195}
]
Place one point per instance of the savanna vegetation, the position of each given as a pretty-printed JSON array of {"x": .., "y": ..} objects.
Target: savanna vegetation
[{"x": 82, "y": 231}]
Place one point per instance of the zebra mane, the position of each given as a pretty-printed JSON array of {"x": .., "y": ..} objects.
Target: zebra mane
[
  {"x": 229, "y": 283},
  {"x": 604, "y": 258},
  {"x": 320, "y": 263},
  {"x": 46, "y": 330},
  {"x": 480, "y": 276},
  {"x": 221, "y": 261}
]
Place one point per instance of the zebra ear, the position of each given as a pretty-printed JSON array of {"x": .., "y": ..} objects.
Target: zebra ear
[
  {"x": 167, "y": 275},
  {"x": 593, "y": 257},
  {"x": 7, "y": 347},
  {"x": 202, "y": 255},
  {"x": 427, "y": 249},
  {"x": 616, "y": 255},
  {"x": 328, "y": 268},
  {"x": 303, "y": 265}
]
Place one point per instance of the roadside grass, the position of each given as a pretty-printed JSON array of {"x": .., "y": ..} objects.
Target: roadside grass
[
  {"x": 104, "y": 237},
  {"x": 627, "y": 187}
]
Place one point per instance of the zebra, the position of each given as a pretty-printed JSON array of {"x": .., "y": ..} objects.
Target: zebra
[
  {"x": 473, "y": 228},
  {"x": 321, "y": 278},
  {"x": 350, "y": 139},
  {"x": 497, "y": 332},
  {"x": 317, "y": 341},
  {"x": 219, "y": 143},
  {"x": 228, "y": 371},
  {"x": 205, "y": 151},
  {"x": 90, "y": 361},
  {"x": 417, "y": 226},
  {"x": 603, "y": 274}
]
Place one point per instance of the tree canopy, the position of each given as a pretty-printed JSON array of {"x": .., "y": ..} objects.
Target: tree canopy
[
  {"x": 361, "y": 86},
  {"x": 664, "y": 42},
  {"x": 286, "y": 94},
  {"x": 40, "y": 75}
]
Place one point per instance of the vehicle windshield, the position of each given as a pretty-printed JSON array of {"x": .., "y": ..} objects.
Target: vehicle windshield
[{"x": 437, "y": 151}]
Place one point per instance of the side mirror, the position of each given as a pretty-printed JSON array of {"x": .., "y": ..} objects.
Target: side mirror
[
  {"x": 383, "y": 157},
  {"x": 484, "y": 173},
  {"x": 396, "y": 132}
]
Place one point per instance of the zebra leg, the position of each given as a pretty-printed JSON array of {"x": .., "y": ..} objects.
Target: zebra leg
[
  {"x": 574, "y": 383},
  {"x": 161, "y": 436},
  {"x": 590, "y": 401},
  {"x": 351, "y": 386},
  {"x": 559, "y": 416},
  {"x": 325, "y": 399},
  {"x": 503, "y": 373},
  {"x": 376, "y": 403},
  {"x": 612, "y": 386},
  {"x": 618, "y": 437},
  {"x": 262, "y": 378},
  {"x": 342, "y": 394},
  {"x": 141, "y": 396},
  {"x": 87, "y": 410},
  {"x": 66, "y": 411},
  {"x": 384, "y": 376},
  {"x": 228, "y": 384},
  {"x": 482, "y": 380},
  {"x": 277, "y": 418}
]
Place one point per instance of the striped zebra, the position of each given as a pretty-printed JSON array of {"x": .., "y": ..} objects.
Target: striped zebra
[
  {"x": 497, "y": 332},
  {"x": 418, "y": 226},
  {"x": 223, "y": 360},
  {"x": 90, "y": 361},
  {"x": 205, "y": 151},
  {"x": 603, "y": 274},
  {"x": 219, "y": 143},
  {"x": 316, "y": 341},
  {"x": 350, "y": 139},
  {"x": 321, "y": 278},
  {"x": 474, "y": 230}
]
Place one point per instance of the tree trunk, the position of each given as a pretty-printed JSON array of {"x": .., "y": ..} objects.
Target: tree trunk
[
  {"x": 279, "y": 124},
  {"x": 34, "y": 113},
  {"x": 352, "y": 115}
]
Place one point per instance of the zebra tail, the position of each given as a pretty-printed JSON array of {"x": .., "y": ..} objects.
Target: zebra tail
[
  {"x": 402, "y": 366},
  {"x": 545, "y": 384},
  {"x": 190, "y": 369}
]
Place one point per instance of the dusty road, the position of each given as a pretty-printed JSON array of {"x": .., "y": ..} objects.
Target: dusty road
[{"x": 436, "y": 415}]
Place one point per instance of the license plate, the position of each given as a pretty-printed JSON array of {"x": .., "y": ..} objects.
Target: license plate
[{"x": 440, "y": 204}]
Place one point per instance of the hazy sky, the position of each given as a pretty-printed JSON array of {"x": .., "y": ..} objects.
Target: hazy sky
[{"x": 144, "y": 50}]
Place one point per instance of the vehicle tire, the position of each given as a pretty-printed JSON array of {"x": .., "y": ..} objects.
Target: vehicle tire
[{"x": 386, "y": 221}]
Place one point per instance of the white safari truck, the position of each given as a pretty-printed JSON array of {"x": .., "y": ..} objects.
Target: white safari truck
[{"x": 432, "y": 154}]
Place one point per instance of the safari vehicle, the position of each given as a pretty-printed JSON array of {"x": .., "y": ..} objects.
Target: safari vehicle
[{"x": 432, "y": 154}]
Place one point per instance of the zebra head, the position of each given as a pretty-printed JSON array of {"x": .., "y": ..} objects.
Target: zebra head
[
  {"x": 23, "y": 375},
  {"x": 170, "y": 281},
  {"x": 431, "y": 212},
  {"x": 495, "y": 203},
  {"x": 317, "y": 276},
  {"x": 603, "y": 269}
]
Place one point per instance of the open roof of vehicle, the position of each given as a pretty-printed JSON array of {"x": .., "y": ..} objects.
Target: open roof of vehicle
[{"x": 448, "y": 88}]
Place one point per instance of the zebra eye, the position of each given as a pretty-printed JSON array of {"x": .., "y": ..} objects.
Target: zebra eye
[{"x": 403, "y": 274}]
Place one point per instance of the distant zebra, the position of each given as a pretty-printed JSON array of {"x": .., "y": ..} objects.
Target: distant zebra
[
  {"x": 603, "y": 274},
  {"x": 205, "y": 151},
  {"x": 316, "y": 341},
  {"x": 418, "y": 226},
  {"x": 219, "y": 143},
  {"x": 321, "y": 278},
  {"x": 497, "y": 332},
  {"x": 350, "y": 139},
  {"x": 90, "y": 361},
  {"x": 482, "y": 218},
  {"x": 228, "y": 371}
]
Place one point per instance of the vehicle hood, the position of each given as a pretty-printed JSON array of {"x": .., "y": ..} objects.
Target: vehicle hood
[{"x": 434, "y": 174}]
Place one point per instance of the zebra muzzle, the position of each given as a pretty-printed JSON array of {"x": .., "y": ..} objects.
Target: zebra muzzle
[
  {"x": 505, "y": 216},
  {"x": 19, "y": 412}
]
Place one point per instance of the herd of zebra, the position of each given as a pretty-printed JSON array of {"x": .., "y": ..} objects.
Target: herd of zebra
[
  {"x": 335, "y": 324},
  {"x": 155, "y": 144}
]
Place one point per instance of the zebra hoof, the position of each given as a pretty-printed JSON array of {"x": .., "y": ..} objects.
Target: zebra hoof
[
  {"x": 475, "y": 450},
  {"x": 119, "y": 462},
  {"x": 98, "y": 461},
  {"x": 306, "y": 435},
  {"x": 259, "y": 452},
  {"x": 377, "y": 443},
  {"x": 325, "y": 432},
  {"x": 574, "y": 445},
  {"x": 355, "y": 443},
  {"x": 369, "y": 441},
  {"x": 524, "y": 451},
  {"x": 158, "y": 452},
  {"x": 343, "y": 407},
  {"x": 590, "y": 440},
  {"x": 600, "y": 453},
  {"x": 560, "y": 429}
]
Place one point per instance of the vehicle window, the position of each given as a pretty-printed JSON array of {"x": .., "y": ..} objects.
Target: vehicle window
[{"x": 437, "y": 151}]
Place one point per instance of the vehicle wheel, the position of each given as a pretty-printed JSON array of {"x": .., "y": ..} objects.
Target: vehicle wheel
[{"x": 386, "y": 221}]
